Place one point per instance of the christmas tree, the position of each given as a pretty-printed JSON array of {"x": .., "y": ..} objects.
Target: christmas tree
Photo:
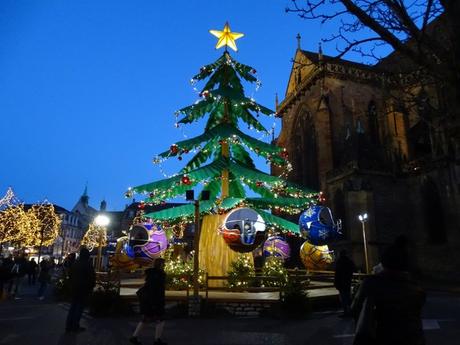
[{"x": 222, "y": 161}]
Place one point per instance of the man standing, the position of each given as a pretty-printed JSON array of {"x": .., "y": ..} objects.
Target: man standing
[
  {"x": 344, "y": 269},
  {"x": 32, "y": 271},
  {"x": 82, "y": 282}
]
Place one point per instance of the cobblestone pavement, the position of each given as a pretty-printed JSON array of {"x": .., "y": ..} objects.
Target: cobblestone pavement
[{"x": 30, "y": 321}]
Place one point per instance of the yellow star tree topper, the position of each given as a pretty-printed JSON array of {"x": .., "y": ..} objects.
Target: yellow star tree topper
[{"x": 226, "y": 37}]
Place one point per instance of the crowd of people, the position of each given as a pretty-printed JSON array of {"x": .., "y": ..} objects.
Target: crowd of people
[
  {"x": 17, "y": 271},
  {"x": 387, "y": 306}
]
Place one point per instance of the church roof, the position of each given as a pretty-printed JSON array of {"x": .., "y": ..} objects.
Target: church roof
[{"x": 314, "y": 57}]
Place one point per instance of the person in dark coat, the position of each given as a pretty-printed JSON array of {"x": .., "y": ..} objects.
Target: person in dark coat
[
  {"x": 18, "y": 271},
  {"x": 82, "y": 282},
  {"x": 152, "y": 302},
  {"x": 44, "y": 277},
  {"x": 397, "y": 302},
  {"x": 32, "y": 271},
  {"x": 344, "y": 269}
]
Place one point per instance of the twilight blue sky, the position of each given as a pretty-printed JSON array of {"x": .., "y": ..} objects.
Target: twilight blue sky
[{"x": 88, "y": 88}]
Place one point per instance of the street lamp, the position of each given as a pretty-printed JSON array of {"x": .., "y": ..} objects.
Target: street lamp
[
  {"x": 363, "y": 219},
  {"x": 101, "y": 221}
]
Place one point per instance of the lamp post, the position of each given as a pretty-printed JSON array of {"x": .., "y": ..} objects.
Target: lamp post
[
  {"x": 101, "y": 221},
  {"x": 363, "y": 219}
]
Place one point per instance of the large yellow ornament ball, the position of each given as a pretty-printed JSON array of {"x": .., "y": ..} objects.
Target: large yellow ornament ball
[{"x": 315, "y": 257}]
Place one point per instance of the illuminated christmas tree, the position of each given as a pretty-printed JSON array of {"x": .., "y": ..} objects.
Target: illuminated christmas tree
[{"x": 221, "y": 161}]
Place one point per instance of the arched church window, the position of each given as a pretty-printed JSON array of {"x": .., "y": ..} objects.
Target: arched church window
[
  {"x": 372, "y": 118},
  {"x": 433, "y": 213}
]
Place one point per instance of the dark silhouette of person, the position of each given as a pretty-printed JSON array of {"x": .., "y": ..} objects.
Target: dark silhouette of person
[
  {"x": 152, "y": 302},
  {"x": 397, "y": 301},
  {"x": 18, "y": 272},
  {"x": 344, "y": 269},
  {"x": 44, "y": 277},
  {"x": 82, "y": 282},
  {"x": 32, "y": 271},
  {"x": 68, "y": 263}
]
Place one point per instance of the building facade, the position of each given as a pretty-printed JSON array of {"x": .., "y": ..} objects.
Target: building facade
[{"x": 373, "y": 141}]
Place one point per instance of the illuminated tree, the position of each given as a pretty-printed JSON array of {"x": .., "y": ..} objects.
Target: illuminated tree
[
  {"x": 222, "y": 162},
  {"x": 13, "y": 221},
  {"x": 94, "y": 237},
  {"x": 274, "y": 267},
  {"x": 42, "y": 226}
]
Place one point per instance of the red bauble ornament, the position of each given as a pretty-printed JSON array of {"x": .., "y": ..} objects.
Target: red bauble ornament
[
  {"x": 185, "y": 180},
  {"x": 253, "y": 71},
  {"x": 174, "y": 149},
  {"x": 152, "y": 195},
  {"x": 284, "y": 154},
  {"x": 259, "y": 183},
  {"x": 179, "y": 158},
  {"x": 162, "y": 202},
  {"x": 141, "y": 206}
]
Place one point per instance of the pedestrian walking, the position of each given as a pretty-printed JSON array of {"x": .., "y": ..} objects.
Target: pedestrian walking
[
  {"x": 152, "y": 302},
  {"x": 82, "y": 282},
  {"x": 44, "y": 278},
  {"x": 32, "y": 271},
  {"x": 388, "y": 305},
  {"x": 18, "y": 271},
  {"x": 5, "y": 275},
  {"x": 344, "y": 269}
]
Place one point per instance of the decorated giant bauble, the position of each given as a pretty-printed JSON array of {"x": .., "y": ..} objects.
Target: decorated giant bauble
[
  {"x": 243, "y": 230},
  {"x": 277, "y": 246},
  {"x": 317, "y": 225},
  {"x": 147, "y": 241},
  {"x": 121, "y": 259},
  {"x": 315, "y": 257}
]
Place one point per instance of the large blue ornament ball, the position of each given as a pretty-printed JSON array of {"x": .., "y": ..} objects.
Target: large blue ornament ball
[
  {"x": 277, "y": 246},
  {"x": 317, "y": 225}
]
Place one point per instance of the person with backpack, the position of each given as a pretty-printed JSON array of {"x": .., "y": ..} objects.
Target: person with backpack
[{"x": 152, "y": 302}]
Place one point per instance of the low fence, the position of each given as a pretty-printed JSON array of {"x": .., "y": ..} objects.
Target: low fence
[{"x": 307, "y": 280}]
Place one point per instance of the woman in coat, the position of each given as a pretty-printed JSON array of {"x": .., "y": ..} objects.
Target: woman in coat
[{"x": 152, "y": 301}]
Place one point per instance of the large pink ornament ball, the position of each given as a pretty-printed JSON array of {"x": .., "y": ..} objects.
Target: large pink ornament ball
[
  {"x": 277, "y": 246},
  {"x": 147, "y": 241}
]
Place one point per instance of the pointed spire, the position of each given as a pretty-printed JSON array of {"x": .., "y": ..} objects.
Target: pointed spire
[
  {"x": 298, "y": 41},
  {"x": 320, "y": 52},
  {"x": 103, "y": 206},
  {"x": 85, "y": 198},
  {"x": 276, "y": 101}
]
